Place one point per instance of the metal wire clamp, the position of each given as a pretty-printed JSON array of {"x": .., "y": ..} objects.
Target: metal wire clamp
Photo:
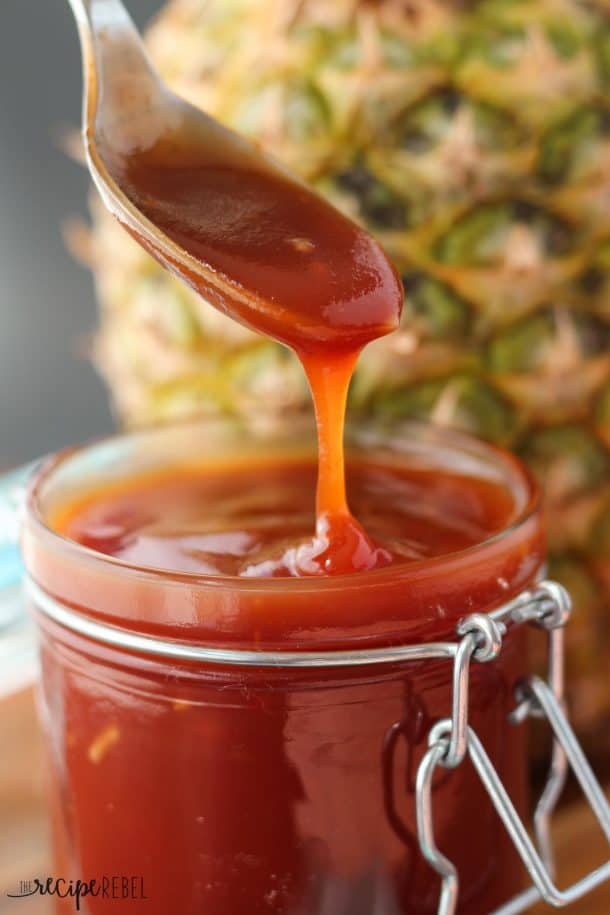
[{"x": 451, "y": 739}]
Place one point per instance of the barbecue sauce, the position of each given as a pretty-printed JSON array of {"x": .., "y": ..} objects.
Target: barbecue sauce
[
  {"x": 236, "y": 520},
  {"x": 272, "y": 254}
]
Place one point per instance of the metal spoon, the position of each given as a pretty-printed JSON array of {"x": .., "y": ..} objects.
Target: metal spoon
[{"x": 213, "y": 208}]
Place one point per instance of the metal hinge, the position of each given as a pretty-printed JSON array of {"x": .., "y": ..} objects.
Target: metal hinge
[{"x": 452, "y": 739}]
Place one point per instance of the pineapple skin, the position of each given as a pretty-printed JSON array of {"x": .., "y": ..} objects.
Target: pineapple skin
[{"x": 473, "y": 139}]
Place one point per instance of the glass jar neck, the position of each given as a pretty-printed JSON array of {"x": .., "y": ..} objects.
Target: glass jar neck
[{"x": 407, "y": 604}]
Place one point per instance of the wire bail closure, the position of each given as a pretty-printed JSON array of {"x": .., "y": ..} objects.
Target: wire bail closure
[{"x": 452, "y": 739}]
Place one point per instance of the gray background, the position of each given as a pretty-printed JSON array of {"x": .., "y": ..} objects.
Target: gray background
[{"x": 49, "y": 394}]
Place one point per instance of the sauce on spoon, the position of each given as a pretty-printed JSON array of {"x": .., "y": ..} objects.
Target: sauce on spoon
[{"x": 257, "y": 244}]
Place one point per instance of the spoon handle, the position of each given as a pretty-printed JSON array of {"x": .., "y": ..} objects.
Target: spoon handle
[
  {"x": 111, "y": 43},
  {"x": 115, "y": 60},
  {"x": 109, "y": 15}
]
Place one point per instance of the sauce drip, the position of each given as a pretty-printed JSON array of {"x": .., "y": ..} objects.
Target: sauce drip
[{"x": 263, "y": 248}]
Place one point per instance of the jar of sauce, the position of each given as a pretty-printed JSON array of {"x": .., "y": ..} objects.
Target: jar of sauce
[{"x": 249, "y": 745}]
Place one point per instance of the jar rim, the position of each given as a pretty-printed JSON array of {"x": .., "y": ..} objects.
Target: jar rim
[{"x": 427, "y": 435}]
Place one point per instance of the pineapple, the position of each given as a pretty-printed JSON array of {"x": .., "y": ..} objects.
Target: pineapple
[{"x": 473, "y": 138}]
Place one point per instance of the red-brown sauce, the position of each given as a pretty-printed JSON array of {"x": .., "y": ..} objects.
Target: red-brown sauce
[
  {"x": 268, "y": 251},
  {"x": 253, "y": 790},
  {"x": 249, "y": 520}
]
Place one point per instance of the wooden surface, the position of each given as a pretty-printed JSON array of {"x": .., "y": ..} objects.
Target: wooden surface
[
  {"x": 23, "y": 833},
  {"x": 24, "y": 849},
  {"x": 580, "y": 846}
]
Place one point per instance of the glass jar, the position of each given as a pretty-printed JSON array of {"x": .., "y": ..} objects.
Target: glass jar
[{"x": 239, "y": 746}]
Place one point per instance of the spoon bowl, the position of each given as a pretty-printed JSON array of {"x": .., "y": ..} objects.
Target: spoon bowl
[{"x": 214, "y": 209}]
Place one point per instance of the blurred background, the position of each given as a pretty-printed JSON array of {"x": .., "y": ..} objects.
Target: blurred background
[
  {"x": 49, "y": 394},
  {"x": 472, "y": 138}
]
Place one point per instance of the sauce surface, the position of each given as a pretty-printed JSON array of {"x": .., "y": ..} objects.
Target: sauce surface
[{"x": 253, "y": 521}]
